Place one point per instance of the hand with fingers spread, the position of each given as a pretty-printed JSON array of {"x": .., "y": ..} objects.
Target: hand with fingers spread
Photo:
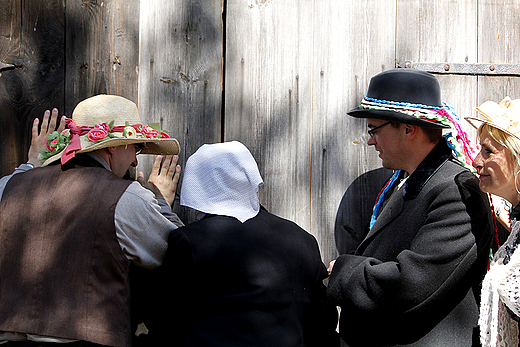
[
  {"x": 39, "y": 137},
  {"x": 163, "y": 178}
]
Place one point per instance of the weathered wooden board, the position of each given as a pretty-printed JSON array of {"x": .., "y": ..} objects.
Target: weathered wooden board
[
  {"x": 32, "y": 39},
  {"x": 433, "y": 31},
  {"x": 357, "y": 43},
  {"x": 498, "y": 30},
  {"x": 290, "y": 79},
  {"x": 181, "y": 76},
  {"x": 102, "y": 50},
  {"x": 268, "y": 97}
]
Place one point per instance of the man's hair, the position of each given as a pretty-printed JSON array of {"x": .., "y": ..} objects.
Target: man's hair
[
  {"x": 434, "y": 135},
  {"x": 511, "y": 143}
]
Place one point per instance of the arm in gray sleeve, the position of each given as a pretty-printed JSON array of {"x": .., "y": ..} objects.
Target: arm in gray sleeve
[
  {"x": 166, "y": 210},
  {"x": 142, "y": 230},
  {"x": 20, "y": 169}
]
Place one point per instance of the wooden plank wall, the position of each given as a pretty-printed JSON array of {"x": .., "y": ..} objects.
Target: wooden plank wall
[
  {"x": 278, "y": 76},
  {"x": 102, "y": 50},
  {"x": 32, "y": 39},
  {"x": 181, "y": 75},
  {"x": 498, "y": 31}
]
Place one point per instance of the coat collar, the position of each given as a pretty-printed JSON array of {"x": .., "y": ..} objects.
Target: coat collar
[
  {"x": 411, "y": 188},
  {"x": 422, "y": 174}
]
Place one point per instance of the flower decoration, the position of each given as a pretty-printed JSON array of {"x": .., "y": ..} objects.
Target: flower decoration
[
  {"x": 100, "y": 132},
  {"x": 148, "y": 131},
  {"x": 129, "y": 132},
  {"x": 56, "y": 142},
  {"x": 153, "y": 130}
]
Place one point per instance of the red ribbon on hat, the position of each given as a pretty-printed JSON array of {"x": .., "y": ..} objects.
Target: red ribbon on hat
[{"x": 75, "y": 144}]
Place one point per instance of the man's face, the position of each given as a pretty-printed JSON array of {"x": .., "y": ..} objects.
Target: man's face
[
  {"x": 123, "y": 158},
  {"x": 388, "y": 141}
]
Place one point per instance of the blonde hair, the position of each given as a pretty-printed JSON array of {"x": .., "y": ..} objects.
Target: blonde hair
[{"x": 511, "y": 143}]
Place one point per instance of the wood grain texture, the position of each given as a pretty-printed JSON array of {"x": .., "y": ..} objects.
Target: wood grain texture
[
  {"x": 181, "y": 75},
  {"x": 442, "y": 31},
  {"x": 357, "y": 43},
  {"x": 32, "y": 39},
  {"x": 269, "y": 97},
  {"x": 102, "y": 49},
  {"x": 498, "y": 32}
]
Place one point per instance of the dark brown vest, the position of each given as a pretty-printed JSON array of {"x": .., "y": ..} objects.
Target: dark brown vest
[{"x": 62, "y": 270}]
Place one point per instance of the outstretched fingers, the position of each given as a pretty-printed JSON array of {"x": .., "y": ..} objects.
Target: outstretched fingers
[{"x": 39, "y": 136}]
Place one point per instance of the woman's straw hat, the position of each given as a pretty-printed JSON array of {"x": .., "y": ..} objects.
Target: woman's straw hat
[
  {"x": 504, "y": 116},
  {"x": 106, "y": 121}
]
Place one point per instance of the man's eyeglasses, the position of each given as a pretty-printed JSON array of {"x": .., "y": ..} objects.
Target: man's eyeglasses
[
  {"x": 372, "y": 131},
  {"x": 138, "y": 148}
]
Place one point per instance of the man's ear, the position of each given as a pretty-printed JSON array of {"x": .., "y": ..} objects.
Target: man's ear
[
  {"x": 410, "y": 130},
  {"x": 111, "y": 150}
]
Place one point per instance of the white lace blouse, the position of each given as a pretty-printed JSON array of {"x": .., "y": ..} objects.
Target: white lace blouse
[{"x": 500, "y": 297}]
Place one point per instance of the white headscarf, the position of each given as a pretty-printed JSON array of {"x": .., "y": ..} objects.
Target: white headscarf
[{"x": 222, "y": 179}]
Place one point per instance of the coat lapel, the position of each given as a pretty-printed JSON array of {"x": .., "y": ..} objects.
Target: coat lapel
[
  {"x": 392, "y": 209},
  {"x": 409, "y": 191}
]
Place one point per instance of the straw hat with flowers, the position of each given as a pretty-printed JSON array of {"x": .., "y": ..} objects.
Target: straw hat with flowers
[{"x": 106, "y": 121}]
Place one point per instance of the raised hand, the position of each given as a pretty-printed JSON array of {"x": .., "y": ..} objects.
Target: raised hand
[
  {"x": 39, "y": 136},
  {"x": 163, "y": 178}
]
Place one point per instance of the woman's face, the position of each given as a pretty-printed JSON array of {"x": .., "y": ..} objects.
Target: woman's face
[{"x": 495, "y": 167}]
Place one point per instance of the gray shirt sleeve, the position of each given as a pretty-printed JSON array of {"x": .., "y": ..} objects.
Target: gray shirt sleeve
[
  {"x": 141, "y": 227},
  {"x": 5, "y": 179}
]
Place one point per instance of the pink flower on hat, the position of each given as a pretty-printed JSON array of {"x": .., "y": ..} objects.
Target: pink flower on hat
[
  {"x": 98, "y": 133},
  {"x": 51, "y": 146},
  {"x": 164, "y": 135},
  {"x": 149, "y": 131}
]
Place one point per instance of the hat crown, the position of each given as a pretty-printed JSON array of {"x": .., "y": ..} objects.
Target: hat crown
[
  {"x": 406, "y": 85},
  {"x": 504, "y": 116},
  {"x": 104, "y": 109}
]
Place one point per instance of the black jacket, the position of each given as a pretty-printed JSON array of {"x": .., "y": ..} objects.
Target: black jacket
[
  {"x": 416, "y": 276},
  {"x": 224, "y": 283}
]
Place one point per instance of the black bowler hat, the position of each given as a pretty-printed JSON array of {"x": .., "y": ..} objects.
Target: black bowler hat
[{"x": 402, "y": 86}]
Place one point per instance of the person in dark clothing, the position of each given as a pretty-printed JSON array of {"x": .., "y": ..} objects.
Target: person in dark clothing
[
  {"x": 239, "y": 276},
  {"x": 415, "y": 278},
  {"x": 70, "y": 229}
]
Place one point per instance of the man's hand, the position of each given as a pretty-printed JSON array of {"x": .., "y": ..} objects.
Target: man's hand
[
  {"x": 163, "y": 178},
  {"x": 331, "y": 265},
  {"x": 39, "y": 137}
]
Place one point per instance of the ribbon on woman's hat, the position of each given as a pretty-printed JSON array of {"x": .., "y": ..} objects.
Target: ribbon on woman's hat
[{"x": 106, "y": 121}]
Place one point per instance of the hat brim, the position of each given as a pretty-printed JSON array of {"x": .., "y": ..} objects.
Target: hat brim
[
  {"x": 477, "y": 123},
  {"x": 168, "y": 146},
  {"x": 393, "y": 116}
]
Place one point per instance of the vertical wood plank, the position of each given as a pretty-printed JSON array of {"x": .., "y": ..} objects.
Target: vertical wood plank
[
  {"x": 268, "y": 97},
  {"x": 102, "y": 49},
  {"x": 357, "y": 43},
  {"x": 442, "y": 31},
  {"x": 180, "y": 82},
  {"x": 32, "y": 38},
  {"x": 498, "y": 35}
]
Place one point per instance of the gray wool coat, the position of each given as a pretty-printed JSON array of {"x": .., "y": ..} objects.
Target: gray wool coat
[{"x": 415, "y": 278}]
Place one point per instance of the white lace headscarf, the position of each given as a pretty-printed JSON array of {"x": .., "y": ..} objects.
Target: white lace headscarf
[{"x": 222, "y": 179}]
